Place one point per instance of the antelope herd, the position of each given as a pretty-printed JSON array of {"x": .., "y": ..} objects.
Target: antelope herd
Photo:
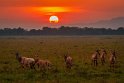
[
  {"x": 102, "y": 55},
  {"x": 41, "y": 64}
]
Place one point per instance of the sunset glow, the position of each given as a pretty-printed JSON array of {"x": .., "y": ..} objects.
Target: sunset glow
[{"x": 54, "y": 9}]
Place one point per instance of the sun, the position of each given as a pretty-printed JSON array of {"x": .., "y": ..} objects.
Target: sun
[{"x": 54, "y": 19}]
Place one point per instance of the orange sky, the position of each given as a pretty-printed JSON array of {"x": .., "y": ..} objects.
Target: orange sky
[{"x": 36, "y": 13}]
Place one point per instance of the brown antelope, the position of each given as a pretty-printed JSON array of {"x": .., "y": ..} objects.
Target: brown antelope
[
  {"x": 95, "y": 58},
  {"x": 43, "y": 64},
  {"x": 102, "y": 56},
  {"x": 48, "y": 64},
  {"x": 25, "y": 62},
  {"x": 68, "y": 61},
  {"x": 112, "y": 58}
]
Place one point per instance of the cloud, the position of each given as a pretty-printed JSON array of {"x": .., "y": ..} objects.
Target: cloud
[
  {"x": 93, "y": 5},
  {"x": 35, "y": 3}
]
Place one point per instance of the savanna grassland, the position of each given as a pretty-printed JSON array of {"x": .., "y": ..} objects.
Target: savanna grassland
[{"x": 80, "y": 48}]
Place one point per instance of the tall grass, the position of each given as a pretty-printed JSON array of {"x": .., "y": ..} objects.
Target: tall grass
[{"x": 53, "y": 49}]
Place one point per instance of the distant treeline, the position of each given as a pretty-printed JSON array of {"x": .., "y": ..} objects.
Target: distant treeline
[{"x": 62, "y": 31}]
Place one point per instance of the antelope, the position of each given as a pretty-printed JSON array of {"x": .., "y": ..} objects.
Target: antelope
[
  {"x": 43, "y": 64},
  {"x": 112, "y": 58},
  {"x": 68, "y": 61},
  {"x": 95, "y": 58},
  {"x": 102, "y": 56},
  {"x": 25, "y": 62}
]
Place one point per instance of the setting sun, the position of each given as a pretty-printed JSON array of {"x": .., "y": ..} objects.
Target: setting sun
[{"x": 53, "y": 19}]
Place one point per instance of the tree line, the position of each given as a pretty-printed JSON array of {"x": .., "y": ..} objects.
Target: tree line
[{"x": 63, "y": 30}]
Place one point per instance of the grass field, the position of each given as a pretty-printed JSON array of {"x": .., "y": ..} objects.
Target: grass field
[{"x": 53, "y": 48}]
